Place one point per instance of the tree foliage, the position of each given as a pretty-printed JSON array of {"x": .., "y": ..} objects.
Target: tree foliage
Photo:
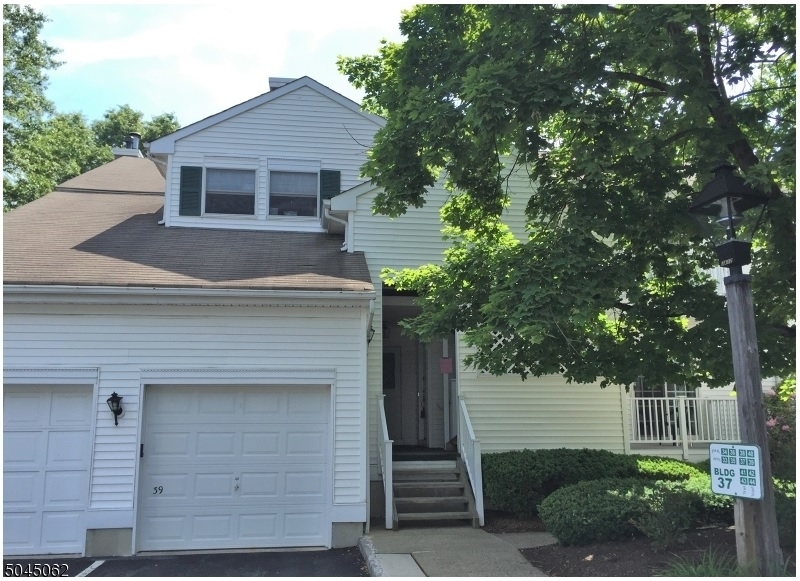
[
  {"x": 117, "y": 123},
  {"x": 616, "y": 113},
  {"x": 42, "y": 148}
]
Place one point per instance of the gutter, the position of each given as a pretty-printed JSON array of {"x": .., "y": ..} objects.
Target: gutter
[
  {"x": 346, "y": 245},
  {"x": 167, "y": 295}
]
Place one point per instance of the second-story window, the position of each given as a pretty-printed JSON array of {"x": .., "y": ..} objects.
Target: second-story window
[
  {"x": 230, "y": 191},
  {"x": 293, "y": 193}
]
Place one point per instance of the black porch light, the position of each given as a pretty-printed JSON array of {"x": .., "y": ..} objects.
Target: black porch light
[
  {"x": 115, "y": 405},
  {"x": 724, "y": 200}
]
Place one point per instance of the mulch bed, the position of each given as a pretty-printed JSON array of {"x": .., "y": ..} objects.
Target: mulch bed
[{"x": 625, "y": 558}]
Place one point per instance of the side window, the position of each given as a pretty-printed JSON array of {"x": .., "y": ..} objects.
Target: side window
[
  {"x": 230, "y": 191},
  {"x": 293, "y": 193}
]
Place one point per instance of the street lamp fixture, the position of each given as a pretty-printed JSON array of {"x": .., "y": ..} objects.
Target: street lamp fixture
[{"x": 725, "y": 199}]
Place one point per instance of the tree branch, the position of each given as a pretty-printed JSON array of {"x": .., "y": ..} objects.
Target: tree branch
[{"x": 642, "y": 80}]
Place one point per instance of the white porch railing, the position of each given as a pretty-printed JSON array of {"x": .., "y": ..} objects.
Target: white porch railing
[
  {"x": 470, "y": 449},
  {"x": 683, "y": 421},
  {"x": 385, "y": 453}
]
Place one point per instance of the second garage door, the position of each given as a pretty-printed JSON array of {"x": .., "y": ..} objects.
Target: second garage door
[{"x": 234, "y": 467}]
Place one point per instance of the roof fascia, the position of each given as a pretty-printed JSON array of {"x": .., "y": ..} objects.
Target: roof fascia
[
  {"x": 347, "y": 200},
  {"x": 166, "y": 144},
  {"x": 64, "y": 294}
]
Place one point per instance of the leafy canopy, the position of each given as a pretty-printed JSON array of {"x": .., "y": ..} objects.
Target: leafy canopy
[
  {"x": 616, "y": 114},
  {"x": 42, "y": 147}
]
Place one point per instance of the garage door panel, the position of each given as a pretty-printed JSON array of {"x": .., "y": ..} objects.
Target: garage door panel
[
  {"x": 260, "y": 485},
  {"x": 20, "y": 490},
  {"x": 22, "y": 450},
  {"x": 26, "y": 410},
  {"x": 261, "y": 444},
  {"x": 69, "y": 409},
  {"x": 214, "y": 486},
  {"x": 211, "y": 444},
  {"x": 67, "y": 448},
  {"x": 47, "y": 449},
  {"x": 253, "y": 473},
  {"x": 65, "y": 488},
  {"x": 20, "y": 532},
  {"x": 258, "y": 404},
  {"x": 63, "y": 531}
]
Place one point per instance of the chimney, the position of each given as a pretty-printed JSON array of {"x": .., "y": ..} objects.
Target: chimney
[
  {"x": 131, "y": 149},
  {"x": 278, "y": 82}
]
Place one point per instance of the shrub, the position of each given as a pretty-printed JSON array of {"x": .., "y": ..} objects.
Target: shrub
[
  {"x": 594, "y": 510},
  {"x": 781, "y": 415},
  {"x": 707, "y": 507},
  {"x": 657, "y": 468},
  {"x": 519, "y": 481},
  {"x": 667, "y": 516}
]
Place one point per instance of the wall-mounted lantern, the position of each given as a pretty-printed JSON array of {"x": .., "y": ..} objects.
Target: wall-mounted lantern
[{"x": 115, "y": 405}]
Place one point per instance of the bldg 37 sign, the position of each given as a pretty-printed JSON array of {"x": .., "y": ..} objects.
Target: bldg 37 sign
[{"x": 736, "y": 470}]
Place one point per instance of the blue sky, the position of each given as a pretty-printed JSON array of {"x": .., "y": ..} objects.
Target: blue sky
[{"x": 195, "y": 60}]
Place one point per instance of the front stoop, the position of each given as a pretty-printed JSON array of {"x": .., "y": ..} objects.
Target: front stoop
[{"x": 432, "y": 490}]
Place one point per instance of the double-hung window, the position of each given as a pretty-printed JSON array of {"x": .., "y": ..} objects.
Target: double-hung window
[
  {"x": 230, "y": 191},
  {"x": 293, "y": 193}
]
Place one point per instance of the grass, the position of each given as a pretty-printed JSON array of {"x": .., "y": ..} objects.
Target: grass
[{"x": 714, "y": 563}]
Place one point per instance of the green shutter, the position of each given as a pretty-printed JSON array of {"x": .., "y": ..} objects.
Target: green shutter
[
  {"x": 191, "y": 190},
  {"x": 329, "y": 185}
]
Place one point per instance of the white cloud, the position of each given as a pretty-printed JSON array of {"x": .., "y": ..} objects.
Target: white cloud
[{"x": 196, "y": 60}]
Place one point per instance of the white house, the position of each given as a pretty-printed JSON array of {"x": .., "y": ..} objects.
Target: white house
[{"x": 235, "y": 306}]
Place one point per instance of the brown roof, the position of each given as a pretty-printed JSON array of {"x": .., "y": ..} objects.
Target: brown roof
[
  {"x": 113, "y": 239},
  {"x": 125, "y": 174}
]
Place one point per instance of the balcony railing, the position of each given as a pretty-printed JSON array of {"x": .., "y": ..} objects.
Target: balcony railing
[
  {"x": 385, "y": 454},
  {"x": 683, "y": 421},
  {"x": 470, "y": 449}
]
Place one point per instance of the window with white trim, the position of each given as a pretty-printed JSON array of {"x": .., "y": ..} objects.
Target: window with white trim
[
  {"x": 230, "y": 191},
  {"x": 293, "y": 193}
]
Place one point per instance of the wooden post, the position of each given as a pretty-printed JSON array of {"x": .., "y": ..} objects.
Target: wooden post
[{"x": 757, "y": 546}]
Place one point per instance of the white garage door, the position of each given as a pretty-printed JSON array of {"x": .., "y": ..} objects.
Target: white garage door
[
  {"x": 46, "y": 457},
  {"x": 234, "y": 467}
]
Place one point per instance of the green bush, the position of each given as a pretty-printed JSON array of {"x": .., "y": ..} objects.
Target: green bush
[
  {"x": 667, "y": 516},
  {"x": 595, "y": 510},
  {"x": 781, "y": 417},
  {"x": 708, "y": 507},
  {"x": 657, "y": 468},
  {"x": 520, "y": 480}
]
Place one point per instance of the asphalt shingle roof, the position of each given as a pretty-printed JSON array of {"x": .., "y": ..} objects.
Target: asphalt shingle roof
[{"x": 103, "y": 234}]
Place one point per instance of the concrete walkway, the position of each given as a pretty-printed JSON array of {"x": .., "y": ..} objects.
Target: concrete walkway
[{"x": 449, "y": 552}]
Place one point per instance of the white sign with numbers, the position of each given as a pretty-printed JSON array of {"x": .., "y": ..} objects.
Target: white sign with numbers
[{"x": 736, "y": 470}]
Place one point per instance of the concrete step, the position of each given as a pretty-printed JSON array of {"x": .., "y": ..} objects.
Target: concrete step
[
  {"x": 441, "y": 504},
  {"x": 423, "y": 464},
  {"x": 439, "y": 474},
  {"x": 460, "y": 515},
  {"x": 429, "y": 489}
]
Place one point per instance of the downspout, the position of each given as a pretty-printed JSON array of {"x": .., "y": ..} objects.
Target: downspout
[{"x": 345, "y": 246}]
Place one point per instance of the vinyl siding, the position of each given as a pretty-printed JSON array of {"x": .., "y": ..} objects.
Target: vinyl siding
[
  {"x": 301, "y": 125},
  {"x": 541, "y": 412},
  {"x": 123, "y": 340}
]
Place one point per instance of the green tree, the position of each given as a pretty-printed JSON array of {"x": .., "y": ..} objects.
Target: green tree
[
  {"x": 616, "y": 113},
  {"x": 62, "y": 147},
  {"x": 26, "y": 60},
  {"x": 117, "y": 123}
]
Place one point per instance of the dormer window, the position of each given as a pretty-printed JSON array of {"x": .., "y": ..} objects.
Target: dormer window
[
  {"x": 293, "y": 193},
  {"x": 285, "y": 190},
  {"x": 230, "y": 191}
]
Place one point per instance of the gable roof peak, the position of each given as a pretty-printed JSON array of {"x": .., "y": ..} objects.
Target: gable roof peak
[{"x": 166, "y": 144}]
